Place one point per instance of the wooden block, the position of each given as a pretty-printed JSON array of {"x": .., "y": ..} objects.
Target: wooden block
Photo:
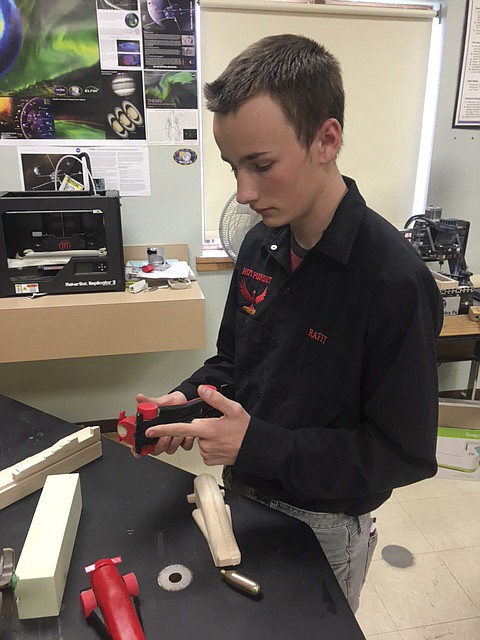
[
  {"x": 214, "y": 520},
  {"x": 475, "y": 280},
  {"x": 444, "y": 282},
  {"x": 68, "y": 454},
  {"x": 474, "y": 313},
  {"x": 43, "y": 565}
]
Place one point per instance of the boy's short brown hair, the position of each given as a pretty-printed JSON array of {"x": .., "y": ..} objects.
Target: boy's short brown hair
[{"x": 298, "y": 73}]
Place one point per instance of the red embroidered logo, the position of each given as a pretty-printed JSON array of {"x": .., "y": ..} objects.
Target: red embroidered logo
[
  {"x": 316, "y": 335},
  {"x": 252, "y": 297}
]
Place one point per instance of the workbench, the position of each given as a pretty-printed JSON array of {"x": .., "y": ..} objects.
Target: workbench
[
  {"x": 138, "y": 509},
  {"x": 460, "y": 341}
]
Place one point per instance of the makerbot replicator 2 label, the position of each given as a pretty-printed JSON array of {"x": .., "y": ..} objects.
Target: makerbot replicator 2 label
[{"x": 91, "y": 283}]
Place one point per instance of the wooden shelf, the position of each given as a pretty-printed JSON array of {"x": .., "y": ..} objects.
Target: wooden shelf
[
  {"x": 459, "y": 325},
  {"x": 214, "y": 263},
  {"x": 82, "y": 325}
]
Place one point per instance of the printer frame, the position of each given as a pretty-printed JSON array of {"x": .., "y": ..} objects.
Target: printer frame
[{"x": 61, "y": 224}]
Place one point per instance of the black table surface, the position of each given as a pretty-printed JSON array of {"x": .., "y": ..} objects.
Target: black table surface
[{"x": 138, "y": 509}]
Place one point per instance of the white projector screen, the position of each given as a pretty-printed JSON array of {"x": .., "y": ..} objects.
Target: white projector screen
[{"x": 384, "y": 57}]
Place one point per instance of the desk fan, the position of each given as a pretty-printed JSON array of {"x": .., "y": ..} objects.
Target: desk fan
[{"x": 235, "y": 221}]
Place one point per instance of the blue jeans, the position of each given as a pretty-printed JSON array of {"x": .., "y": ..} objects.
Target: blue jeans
[{"x": 347, "y": 541}]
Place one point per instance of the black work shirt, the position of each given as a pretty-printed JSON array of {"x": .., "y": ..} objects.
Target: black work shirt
[{"x": 334, "y": 362}]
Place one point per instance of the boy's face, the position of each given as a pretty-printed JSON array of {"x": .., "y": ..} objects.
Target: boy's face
[{"x": 275, "y": 174}]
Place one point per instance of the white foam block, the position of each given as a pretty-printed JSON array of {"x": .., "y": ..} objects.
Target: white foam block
[{"x": 45, "y": 559}]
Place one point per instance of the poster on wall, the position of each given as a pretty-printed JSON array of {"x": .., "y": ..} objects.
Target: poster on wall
[
  {"x": 170, "y": 71},
  {"x": 68, "y": 168},
  {"x": 173, "y": 126},
  {"x": 166, "y": 89},
  {"x": 122, "y": 105},
  {"x": 50, "y": 70},
  {"x": 119, "y": 34},
  {"x": 49, "y": 48},
  {"x": 467, "y": 112},
  {"x": 45, "y": 170},
  {"x": 169, "y": 34},
  {"x": 54, "y": 83},
  {"x": 74, "y": 71}
]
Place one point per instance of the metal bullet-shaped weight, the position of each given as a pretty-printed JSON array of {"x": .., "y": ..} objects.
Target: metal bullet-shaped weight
[{"x": 241, "y": 582}]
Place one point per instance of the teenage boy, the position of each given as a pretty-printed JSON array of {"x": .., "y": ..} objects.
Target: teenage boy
[{"x": 330, "y": 324}]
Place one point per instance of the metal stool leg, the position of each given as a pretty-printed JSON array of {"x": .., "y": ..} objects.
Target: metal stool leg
[{"x": 472, "y": 379}]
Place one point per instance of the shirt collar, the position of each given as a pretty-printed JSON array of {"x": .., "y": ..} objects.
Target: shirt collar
[{"x": 338, "y": 238}]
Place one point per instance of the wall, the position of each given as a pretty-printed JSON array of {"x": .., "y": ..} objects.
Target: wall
[{"x": 454, "y": 177}]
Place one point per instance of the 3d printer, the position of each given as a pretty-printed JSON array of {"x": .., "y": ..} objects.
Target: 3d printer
[
  {"x": 442, "y": 240},
  {"x": 60, "y": 242}
]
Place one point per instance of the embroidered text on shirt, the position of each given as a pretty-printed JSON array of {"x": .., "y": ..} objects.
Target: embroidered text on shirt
[
  {"x": 316, "y": 335},
  {"x": 261, "y": 277}
]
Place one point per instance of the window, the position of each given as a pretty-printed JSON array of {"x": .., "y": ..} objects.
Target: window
[{"x": 384, "y": 52}]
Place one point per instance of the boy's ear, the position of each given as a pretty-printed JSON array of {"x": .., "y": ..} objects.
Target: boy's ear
[{"x": 328, "y": 141}]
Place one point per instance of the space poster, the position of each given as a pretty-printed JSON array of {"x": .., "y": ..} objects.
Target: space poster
[
  {"x": 74, "y": 70},
  {"x": 169, "y": 54}
]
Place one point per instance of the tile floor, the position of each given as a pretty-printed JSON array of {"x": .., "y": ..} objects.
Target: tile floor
[
  {"x": 438, "y": 596},
  {"x": 438, "y": 521}
]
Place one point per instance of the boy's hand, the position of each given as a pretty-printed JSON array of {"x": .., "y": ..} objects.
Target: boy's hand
[{"x": 219, "y": 439}]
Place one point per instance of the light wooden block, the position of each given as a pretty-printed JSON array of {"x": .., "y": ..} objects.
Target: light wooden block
[
  {"x": 214, "y": 520},
  {"x": 444, "y": 282},
  {"x": 66, "y": 455},
  {"x": 45, "y": 559},
  {"x": 474, "y": 313}
]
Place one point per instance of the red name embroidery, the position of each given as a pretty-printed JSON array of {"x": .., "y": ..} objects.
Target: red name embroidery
[
  {"x": 316, "y": 335},
  {"x": 256, "y": 276}
]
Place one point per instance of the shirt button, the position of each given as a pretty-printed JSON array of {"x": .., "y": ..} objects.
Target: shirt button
[
  {"x": 286, "y": 291},
  {"x": 273, "y": 247}
]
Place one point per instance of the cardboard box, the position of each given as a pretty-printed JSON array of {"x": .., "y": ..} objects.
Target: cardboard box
[{"x": 458, "y": 442}]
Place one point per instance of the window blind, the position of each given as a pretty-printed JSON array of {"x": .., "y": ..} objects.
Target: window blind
[{"x": 383, "y": 53}]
